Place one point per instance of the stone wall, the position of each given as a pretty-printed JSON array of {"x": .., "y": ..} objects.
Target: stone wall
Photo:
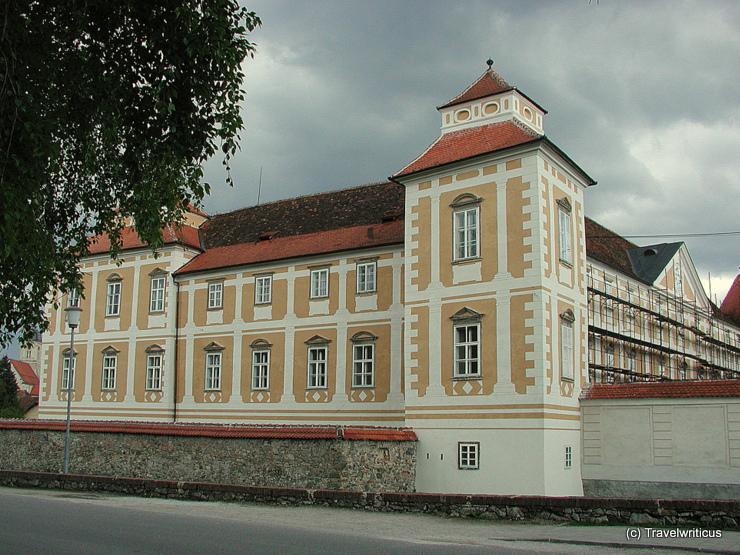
[
  {"x": 586, "y": 510},
  {"x": 320, "y": 458}
]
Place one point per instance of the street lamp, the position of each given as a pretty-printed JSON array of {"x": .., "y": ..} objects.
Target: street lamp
[{"x": 72, "y": 316}]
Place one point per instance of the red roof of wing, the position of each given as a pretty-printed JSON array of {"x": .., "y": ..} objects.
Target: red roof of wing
[
  {"x": 184, "y": 235},
  {"x": 307, "y": 244},
  {"x": 488, "y": 84},
  {"x": 668, "y": 390},
  {"x": 459, "y": 145},
  {"x": 731, "y": 305},
  {"x": 27, "y": 374}
]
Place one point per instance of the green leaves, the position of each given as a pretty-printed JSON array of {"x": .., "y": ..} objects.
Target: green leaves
[{"x": 107, "y": 111}]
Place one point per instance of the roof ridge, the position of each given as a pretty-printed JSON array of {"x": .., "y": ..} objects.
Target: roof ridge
[
  {"x": 308, "y": 195},
  {"x": 495, "y": 76}
]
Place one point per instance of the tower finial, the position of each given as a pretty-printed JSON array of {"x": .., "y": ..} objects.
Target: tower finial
[{"x": 489, "y": 62}]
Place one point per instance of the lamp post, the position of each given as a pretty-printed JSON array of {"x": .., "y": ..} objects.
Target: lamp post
[{"x": 72, "y": 315}]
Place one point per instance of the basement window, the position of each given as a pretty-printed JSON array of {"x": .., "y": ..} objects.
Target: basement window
[{"x": 468, "y": 456}]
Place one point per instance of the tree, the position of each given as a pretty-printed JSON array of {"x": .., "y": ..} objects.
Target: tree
[
  {"x": 9, "y": 405},
  {"x": 107, "y": 112}
]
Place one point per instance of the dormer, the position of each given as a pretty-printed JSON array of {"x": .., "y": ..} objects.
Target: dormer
[{"x": 490, "y": 99}]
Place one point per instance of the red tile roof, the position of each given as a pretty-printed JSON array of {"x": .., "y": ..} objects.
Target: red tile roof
[
  {"x": 184, "y": 235},
  {"x": 217, "y": 430},
  {"x": 27, "y": 374},
  {"x": 334, "y": 240},
  {"x": 369, "y": 204},
  {"x": 488, "y": 84},
  {"x": 604, "y": 245},
  {"x": 668, "y": 390},
  {"x": 466, "y": 143},
  {"x": 731, "y": 305}
]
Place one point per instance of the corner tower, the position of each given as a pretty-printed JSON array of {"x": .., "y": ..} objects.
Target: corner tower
[{"x": 495, "y": 299}]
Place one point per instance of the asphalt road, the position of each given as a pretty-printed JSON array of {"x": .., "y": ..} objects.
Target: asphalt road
[{"x": 41, "y": 521}]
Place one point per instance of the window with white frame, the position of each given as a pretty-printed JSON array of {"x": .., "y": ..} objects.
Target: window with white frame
[
  {"x": 73, "y": 298},
  {"x": 566, "y": 345},
  {"x": 215, "y": 294},
  {"x": 631, "y": 360},
  {"x": 319, "y": 283},
  {"x": 568, "y": 457},
  {"x": 263, "y": 290},
  {"x": 261, "y": 369},
  {"x": 317, "y": 366},
  {"x": 609, "y": 356},
  {"x": 68, "y": 370},
  {"x": 468, "y": 455},
  {"x": 363, "y": 359},
  {"x": 156, "y": 293},
  {"x": 466, "y": 232},
  {"x": 466, "y": 343},
  {"x": 565, "y": 231},
  {"x": 110, "y": 362},
  {"x": 113, "y": 298},
  {"x": 366, "y": 277},
  {"x": 213, "y": 371},
  {"x": 154, "y": 369}
]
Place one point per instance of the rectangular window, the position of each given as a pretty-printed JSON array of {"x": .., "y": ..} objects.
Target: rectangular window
[
  {"x": 68, "y": 372},
  {"x": 154, "y": 372},
  {"x": 564, "y": 225},
  {"x": 110, "y": 361},
  {"x": 362, "y": 365},
  {"x": 568, "y": 457},
  {"x": 263, "y": 290},
  {"x": 317, "y": 367},
  {"x": 566, "y": 349},
  {"x": 661, "y": 366},
  {"x": 113, "y": 304},
  {"x": 156, "y": 294},
  {"x": 261, "y": 369},
  {"x": 73, "y": 298},
  {"x": 609, "y": 356},
  {"x": 215, "y": 294},
  {"x": 468, "y": 456},
  {"x": 319, "y": 283},
  {"x": 631, "y": 360},
  {"x": 366, "y": 277},
  {"x": 467, "y": 349},
  {"x": 213, "y": 371},
  {"x": 466, "y": 233}
]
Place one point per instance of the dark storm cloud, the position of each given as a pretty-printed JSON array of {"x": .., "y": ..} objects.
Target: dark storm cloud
[{"x": 644, "y": 95}]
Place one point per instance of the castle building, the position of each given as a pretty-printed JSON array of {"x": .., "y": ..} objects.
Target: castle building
[{"x": 454, "y": 299}]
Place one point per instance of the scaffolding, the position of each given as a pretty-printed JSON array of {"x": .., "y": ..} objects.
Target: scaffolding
[{"x": 641, "y": 333}]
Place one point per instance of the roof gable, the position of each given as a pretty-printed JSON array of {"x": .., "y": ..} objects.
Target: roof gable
[{"x": 649, "y": 261}]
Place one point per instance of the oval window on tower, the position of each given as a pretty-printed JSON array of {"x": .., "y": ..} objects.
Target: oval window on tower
[
  {"x": 462, "y": 115},
  {"x": 491, "y": 108}
]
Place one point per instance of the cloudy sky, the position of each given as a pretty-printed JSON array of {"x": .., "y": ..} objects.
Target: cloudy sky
[{"x": 643, "y": 95}]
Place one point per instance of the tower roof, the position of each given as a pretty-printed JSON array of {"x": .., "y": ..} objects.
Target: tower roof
[{"x": 488, "y": 84}]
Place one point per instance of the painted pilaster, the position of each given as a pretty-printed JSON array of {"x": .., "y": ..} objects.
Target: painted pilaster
[
  {"x": 87, "y": 395},
  {"x": 236, "y": 375},
  {"x": 289, "y": 339},
  {"x": 502, "y": 233},
  {"x": 189, "y": 345},
  {"x": 342, "y": 314},
  {"x": 131, "y": 367}
]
